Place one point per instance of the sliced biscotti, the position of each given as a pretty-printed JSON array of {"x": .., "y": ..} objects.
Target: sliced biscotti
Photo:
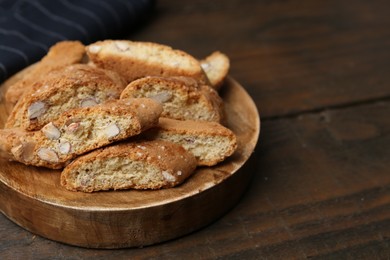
[
  {"x": 182, "y": 97},
  {"x": 135, "y": 60},
  {"x": 216, "y": 66},
  {"x": 130, "y": 165},
  {"x": 62, "y": 89},
  {"x": 210, "y": 142},
  {"x": 78, "y": 131},
  {"x": 61, "y": 54}
]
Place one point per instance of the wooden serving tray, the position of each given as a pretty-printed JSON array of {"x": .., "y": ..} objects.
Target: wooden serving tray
[{"x": 33, "y": 198}]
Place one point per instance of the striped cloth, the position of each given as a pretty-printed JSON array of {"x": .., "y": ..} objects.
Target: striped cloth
[{"x": 29, "y": 27}]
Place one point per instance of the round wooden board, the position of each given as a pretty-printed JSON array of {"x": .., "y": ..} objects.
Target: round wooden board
[{"x": 33, "y": 198}]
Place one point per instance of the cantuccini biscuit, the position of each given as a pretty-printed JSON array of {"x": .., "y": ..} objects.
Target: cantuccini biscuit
[
  {"x": 130, "y": 165},
  {"x": 216, "y": 67},
  {"x": 62, "y": 89},
  {"x": 78, "y": 131},
  {"x": 61, "y": 54},
  {"x": 81, "y": 116},
  {"x": 183, "y": 98},
  {"x": 210, "y": 142},
  {"x": 135, "y": 60}
]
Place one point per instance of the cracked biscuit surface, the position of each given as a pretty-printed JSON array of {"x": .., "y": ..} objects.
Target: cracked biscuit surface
[
  {"x": 134, "y": 60},
  {"x": 130, "y": 165},
  {"x": 62, "y": 89},
  {"x": 80, "y": 116},
  {"x": 209, "y": 142},
  {"x": 78, "y": 131},
  {"x": 183, "y": 98}
]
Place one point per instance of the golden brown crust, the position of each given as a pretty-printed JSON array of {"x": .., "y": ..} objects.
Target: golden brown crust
[
  {"x": 63, "y": 89},
  {"x": 183, "y": 98},
  {"x": 61, "y": 54},
  {"x": 195, "y": 127},
  {"x": 160, "y": 164},
  {"x": 135, "y": 60},
  {"x": 90, "y": 120},
  {"x": 210, "y": 142},
  {"x": 80, "y": 130}
]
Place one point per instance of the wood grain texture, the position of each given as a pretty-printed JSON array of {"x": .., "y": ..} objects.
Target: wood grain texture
[
  {"x": 318, "y": 72},
  {"x": 291, "y": 56},
  {"x": 33, "y": 198}
]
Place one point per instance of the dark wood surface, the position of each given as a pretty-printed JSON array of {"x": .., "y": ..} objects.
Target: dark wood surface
[{"x": 319, "y": 74}]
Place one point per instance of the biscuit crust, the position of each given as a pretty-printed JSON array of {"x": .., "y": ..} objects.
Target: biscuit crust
[
  {"x": 134, "y": 60},
  {"x": 78, "y": 131},
  {"x": 62, "y": 89},
  {"x": 210, "y": 142},
  {"x": 61, "y": 54},
  {"x": 130, "y": 165},
  {"x": 183, "y": 98},
  {"x": 216, "y": 67}
]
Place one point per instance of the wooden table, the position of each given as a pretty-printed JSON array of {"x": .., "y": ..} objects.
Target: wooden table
[{"x": 319, "y": 74}]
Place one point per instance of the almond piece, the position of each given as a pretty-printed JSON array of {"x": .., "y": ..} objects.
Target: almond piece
[
  {"x": 88, "y": 102},
  {"x": 162, "y": 97},
  {"x": 36, "y": 109},
  {"x": 122, "y": 46},
  {"x": 169, "y": 177},
  {"x": 111, "y": 130},
  {"x": 51, "y": 131},
  {"x": 73, "y": 127},
  {"x": 205, "y": 65},
  {"x": 48, "y": 155},
  {"x": 64, "y": 147},
  {"x": 94, "y": 49}
]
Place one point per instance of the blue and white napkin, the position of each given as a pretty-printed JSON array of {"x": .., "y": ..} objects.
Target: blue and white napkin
[{"x": 29, "y": 27}]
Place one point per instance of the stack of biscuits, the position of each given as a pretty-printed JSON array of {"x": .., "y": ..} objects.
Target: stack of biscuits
[{"x": 119, "y": 114}]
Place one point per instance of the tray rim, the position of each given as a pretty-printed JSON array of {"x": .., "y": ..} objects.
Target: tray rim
[{"x": 103, "y": 210}]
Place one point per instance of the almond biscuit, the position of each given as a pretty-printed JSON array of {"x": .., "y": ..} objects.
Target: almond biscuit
[
  {"x": 183, "y": 98},
  {"x": 134, "y": 60},
  {"x": 209, "y": 142},
  {"x": 61, "y": 54},
  {"x": 62, "y": 89},
  {"x": 216, "y": 67},
  {"x": 78, "y": 131},
  {"x": 135, "y": 165}
]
